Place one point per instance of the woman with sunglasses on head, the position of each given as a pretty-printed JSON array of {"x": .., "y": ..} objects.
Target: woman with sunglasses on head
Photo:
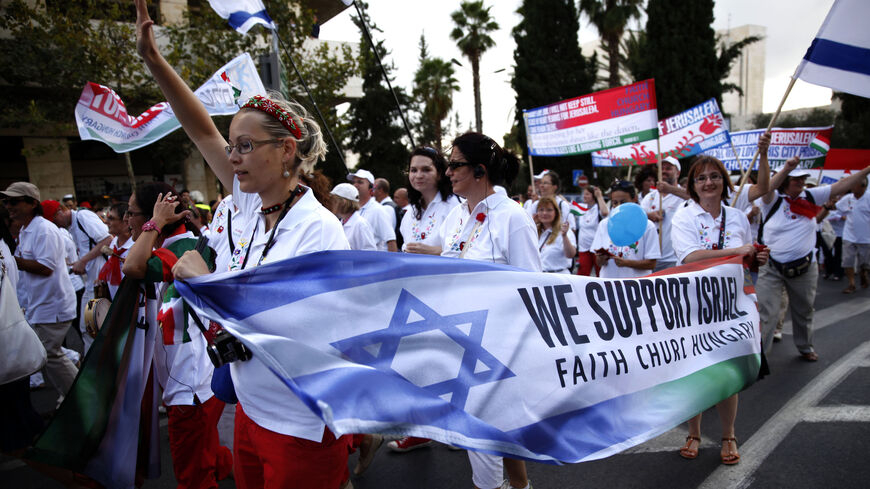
[
  {"x": 555, "y": 239},
  {"x": 278, "y": 440},
  {"x": 704, "y": 227},
  {"x": 635, "y": 260},
  {"x": 488, "y": 226},
  {"x": 431, "y": 197},
  {"x": 162, "y": 232},
  {"x": 587, "y": 224}
]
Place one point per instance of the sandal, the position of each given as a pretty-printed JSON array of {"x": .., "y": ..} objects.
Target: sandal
[
  {"x": 849, "y": 289},
  {"x": 686, "y": 451},
  {"x": 733, "y": 456}
]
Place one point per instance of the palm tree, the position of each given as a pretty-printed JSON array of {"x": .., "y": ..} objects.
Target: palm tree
[
  {"x": 611, "y": 17},
  {"x": 434, "y": 85},
  {"x": 473, "y": 25}
]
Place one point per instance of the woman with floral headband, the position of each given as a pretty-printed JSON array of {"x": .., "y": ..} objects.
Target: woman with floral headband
[{"x": 278, "y": 441}]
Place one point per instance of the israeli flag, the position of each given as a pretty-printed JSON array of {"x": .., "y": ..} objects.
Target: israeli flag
[
  {"x": 243, "y": 14},
  {"x": 839, "y": 56},
  {"x": 540, "y": 366}
]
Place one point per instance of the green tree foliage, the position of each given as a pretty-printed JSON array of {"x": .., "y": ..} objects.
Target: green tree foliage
[
  {"x": 434, "y": 85},
  {"x": 681, "y": 53},
  {"x": 473, "y": 24},
  {"x": 611, "y": 17},
  {"x": 852, "y": 127},
  {"x": 549, "y": 68},
  {"x": 373, "y": 121},
  {"x": 816, "y": 117}
]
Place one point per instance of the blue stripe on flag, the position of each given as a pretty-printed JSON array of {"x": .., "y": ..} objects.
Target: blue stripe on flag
[
  {"x": 365, "y": 400},
  {"x": 276, "y": 284},
  {"x": 837, "y": 55},
  {"x": 238, "y": 19}
]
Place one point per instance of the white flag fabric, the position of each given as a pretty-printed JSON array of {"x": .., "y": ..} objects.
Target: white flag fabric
[
  {"x": 839, "y": 56},
  {"x": 242, "y": 15},
  {"x": 542, "y": 366}
]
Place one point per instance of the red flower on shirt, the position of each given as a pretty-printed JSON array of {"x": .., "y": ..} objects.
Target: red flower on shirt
[{"x": 481, "y": 216}]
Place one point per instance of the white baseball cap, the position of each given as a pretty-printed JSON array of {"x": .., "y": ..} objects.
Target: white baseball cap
[
  {"x": 365, "y": 174},
  {"x": 673, "y": 161},
  {"x": 541, "y": 175},
  {"x": 346, "y": 191},
  {"x": 799, "y": 172}
]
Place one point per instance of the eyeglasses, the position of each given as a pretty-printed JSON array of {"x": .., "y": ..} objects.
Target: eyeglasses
[
  {"x": 453, "y": 165},
  {"x": 713, "y": 177},
  {"x": 133, "y": 214},
  {"x": 110, "y": 217},
  {"x": 14, "y": 200},
  {"x": 246, "y": 146}
]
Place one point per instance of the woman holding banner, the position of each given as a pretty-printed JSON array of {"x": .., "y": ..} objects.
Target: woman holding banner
[
  {"x": 704, "y": 227},
  {"x": 278, "y": 440},
  {"x": 555, "y": 239},
  {"x": 488, "y": 226}
]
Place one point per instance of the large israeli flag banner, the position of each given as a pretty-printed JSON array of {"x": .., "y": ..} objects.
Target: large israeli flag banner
[
  {"x": 242, "y": 15},
  {"x": 545, "y": 367}
]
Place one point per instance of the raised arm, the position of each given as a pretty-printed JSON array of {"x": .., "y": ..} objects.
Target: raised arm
[
  {"x": 780, "y": 177},
  {"x": 843, "y": 186},
  {"x": 192, "y": 115},
  {"x": 762, "y": 186}
]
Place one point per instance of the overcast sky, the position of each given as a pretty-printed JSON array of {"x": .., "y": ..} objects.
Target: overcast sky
[{"x": 791, "y": 26}]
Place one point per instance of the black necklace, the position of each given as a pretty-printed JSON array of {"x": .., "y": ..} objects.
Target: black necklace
[{"x": 284, "y": 206}]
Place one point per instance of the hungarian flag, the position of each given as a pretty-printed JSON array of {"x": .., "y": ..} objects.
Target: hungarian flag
[
  {"x": 821, "y": 143},
  {"x": 577, "y": 209}
]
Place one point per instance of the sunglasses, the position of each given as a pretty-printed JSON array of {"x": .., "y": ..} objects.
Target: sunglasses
[
  {"x": 15, "y": 200},
  {"x": 453, "y": 165}
]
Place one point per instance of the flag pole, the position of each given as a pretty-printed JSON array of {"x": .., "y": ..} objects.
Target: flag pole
[
  {"x": 529, "y": 146},
  {"x": 659, "y": 155},
  {"x": 743, "y": 175},
  {"x": 368, "y": 35},
  {"x": 769, "y": 126},
  {"x": 628, "y": 177},
  {"x": 133, "y": 176}
]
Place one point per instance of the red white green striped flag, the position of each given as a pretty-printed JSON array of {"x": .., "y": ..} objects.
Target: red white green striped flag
[
  {"x": 821, "y": 143},
  {"x": 577, "y": 209}
]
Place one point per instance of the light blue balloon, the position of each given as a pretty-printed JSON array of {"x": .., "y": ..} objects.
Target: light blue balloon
[{"x": 626, "y": 224}]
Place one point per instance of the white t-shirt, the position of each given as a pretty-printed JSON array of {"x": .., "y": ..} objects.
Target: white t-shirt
[
  {"x": 788, "y": 235},
  {"x": 95, "y": 229},
  {"x": 359, "y": 233},
  {"x": 695, "y": 229},
  {"x": 227, "y": 217},
  {"x": 553, "y": 257},
  {"x": 425, "y": 230},
  {"x": 11, "y": 267},
  {"x": 670, "y": 204},
  {"x": 857, "y": 213},
  {"x": 126, "y": 247},
  {"x": 587, "y": 225},
  {"x": 506, "y": 235},
  {"x": 837, "y": 220},
  {"x": 72, "y": 255},
  {"x": 564, "y": 209},
  {"x": 378, "y": 218},
  {"x": 307, "y": 228},
  {"x": 392, "y": 214},
  {"x": 48, "y": 299},
  {"x": 646, "y": 248}
]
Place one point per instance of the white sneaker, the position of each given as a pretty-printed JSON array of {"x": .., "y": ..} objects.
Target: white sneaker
[
  {"x": 777, "y": 336},
  {"x": 507, "y": 485}
]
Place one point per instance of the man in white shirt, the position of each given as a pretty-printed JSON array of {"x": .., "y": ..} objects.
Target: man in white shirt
[
  {"x": 788, "y": 228},
  {"x": 856, "y": 234},
  {"x": 672, "y": 197},
  {"x": 376, "y": 214},
  {"x": 90, "y": 235}
]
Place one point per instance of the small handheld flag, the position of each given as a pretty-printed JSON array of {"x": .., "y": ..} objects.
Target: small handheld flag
[
  {"x": 821, "y": 143},
  {"x": 577, "y": 209}
]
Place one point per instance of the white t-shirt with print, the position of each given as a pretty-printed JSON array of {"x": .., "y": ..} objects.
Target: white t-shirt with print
[
  {"x": 307, "y": 228},
  {"x": 425, "y": 230},
  {"x": 646, "y": 248},
  {"x": 695, "y": 229},
  {"x": 505, "y": 235},
  {"x": 788, "y": 235}
]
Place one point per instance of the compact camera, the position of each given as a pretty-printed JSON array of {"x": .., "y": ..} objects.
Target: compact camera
[{"x": 226, "y": 348}]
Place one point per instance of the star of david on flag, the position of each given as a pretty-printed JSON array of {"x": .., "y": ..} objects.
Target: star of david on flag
[{"x": 413, "y": 322}]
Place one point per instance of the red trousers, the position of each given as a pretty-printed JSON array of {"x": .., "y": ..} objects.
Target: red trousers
[
  {"x": 269, "y": 460},
  {"x": 585, "y": 262},
  {"x": 198, "y": 460}
]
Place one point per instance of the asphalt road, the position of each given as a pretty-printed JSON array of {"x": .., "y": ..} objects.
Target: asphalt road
[{"x": 805, "y": 425}]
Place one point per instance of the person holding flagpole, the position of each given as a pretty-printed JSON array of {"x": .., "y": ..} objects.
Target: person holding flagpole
[
  {"x": 704, "y": 227},
  {"x": 488, "y": 226},
  {"x": 278, "y": 441}
]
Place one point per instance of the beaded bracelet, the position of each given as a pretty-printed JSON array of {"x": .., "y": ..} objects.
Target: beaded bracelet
[{"x": 150, "y": 225}]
